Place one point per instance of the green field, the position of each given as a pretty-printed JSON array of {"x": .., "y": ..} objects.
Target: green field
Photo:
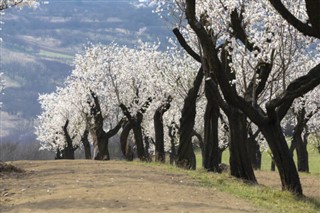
[
  {"x": 314, "y": 160},
  {"x": 55, "y": 55}
]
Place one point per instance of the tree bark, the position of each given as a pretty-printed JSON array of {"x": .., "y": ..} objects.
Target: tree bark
[
  {"x": 185, "y": 156},
  {"x": 299, "y": 143},
  {"x": 172, "y": 134},
  {"x": 147, "y": 141},
  {"x": 254, "y": 150},
  {"x": 100, "y": 143},
  {"x": 86, "y": 144},
  {"x": 135, "y": 123},
  {"x": 282, "y": 157},
  {"x": 68, "y": 151},
  {"x": 211, "y": 158},
  {"x": 158, "y": 127},
  {"x": 240, "y": 164},
  {"x": 100, "y": 137},
  {"x": 124, "y": 140},
  {"x": 137, "y": 132}
]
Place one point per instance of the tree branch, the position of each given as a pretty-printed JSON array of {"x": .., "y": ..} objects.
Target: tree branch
[
  {"x": 299, "y": 25},
  {"x": 239, "y": 32},
  {"x": 185, "y": 45},
  {"x": 297, "y": 88}
]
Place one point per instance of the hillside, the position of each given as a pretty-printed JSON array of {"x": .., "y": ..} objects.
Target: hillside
[{"x": 39, "y": 46}]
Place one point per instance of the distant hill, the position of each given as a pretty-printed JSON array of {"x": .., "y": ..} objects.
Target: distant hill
[{"x": 39, "y": 46}]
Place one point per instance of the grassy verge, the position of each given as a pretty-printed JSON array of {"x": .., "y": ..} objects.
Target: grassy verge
[{"x": 264, "y": 197}]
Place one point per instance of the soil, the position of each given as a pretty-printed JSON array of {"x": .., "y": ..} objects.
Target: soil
[{"x": 113, "y": 186}]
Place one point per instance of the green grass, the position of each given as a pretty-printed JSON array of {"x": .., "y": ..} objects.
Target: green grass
[
  {"x": 268, "y": 198},
  {"x": 49, "y": 54}
]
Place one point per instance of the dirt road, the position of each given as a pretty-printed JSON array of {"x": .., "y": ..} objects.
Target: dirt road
[{"x": 114, "y": 186}]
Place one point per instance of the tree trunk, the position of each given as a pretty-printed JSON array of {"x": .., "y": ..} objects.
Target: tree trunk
[
  {"x": 158, "y": 127},
  {"x": 172, "y": 135},
  {"x": 137, "y": 132},
  {"x": 86, "y": 144},
  {"x": 124, "y": 140},
  {"x": 100, "y": 142},
  {"x": 299, "y": 143},
  {"x": 283, "y": 159},
  {"x": 254, "y": 150},
  {"x": 302, "y": 152},
  {"x": 186, "y": 157},
  {"x": 68, "y": 151},
  {"x": 103, "y": 153},
  {"x": 240, "y": 164},
  {"x": 147, "y": 140},
  {"x": 135, "y": 122},
  {"x": 211, "y": 144}
]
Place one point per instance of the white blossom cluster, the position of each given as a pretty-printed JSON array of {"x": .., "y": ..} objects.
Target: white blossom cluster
[
  {"x": 4, "y": 4},
  {"x": 117, "y": 75}
]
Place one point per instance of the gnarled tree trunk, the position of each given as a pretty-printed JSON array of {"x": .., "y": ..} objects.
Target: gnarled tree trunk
[
  {"x": 124, "y": 141},
  {"x": 100, "y": 137},
  {"x": 135, "y": 123},
  {"x": 68, "y": 151},
  {"x": 299, "y": 143},
  {"x": 86, "y": 144},
  {"x": 186, "y": 157},
  {"x": 254, "y": 150},
  {"x": 211, "y": 157},
  {"x": 240, "y": 164},
  {"x": 282, "y": 157},
  {"x": 158, "y": 127},
  {"x": 172, "y": 134}
]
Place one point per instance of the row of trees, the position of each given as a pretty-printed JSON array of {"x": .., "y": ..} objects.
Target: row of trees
[
  {"x": 248, "y": 69},
  {"x": 244, "y": 45}
]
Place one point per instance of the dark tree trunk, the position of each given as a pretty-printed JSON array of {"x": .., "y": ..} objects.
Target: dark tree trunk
[
  {"x": 301, "y": 148},
  {"x": 112, "y": 132},
  {"x": 273, "y": 165},
  {"x": 100, "y": 142},
  {"x": 240, "y": 164},
  {"x": 299, "y": 143},
  {"x": 288, "y": 173},
  {"x": 172, "y": 135},
  {"x": 68, "y": 151},
  {"x": 302, "y": 155},
  {"x": 100, "y": 137},
  {"x": 254, "y": 150},
  {"x": 124, "y": 141},
  {"x": 137, "y": 133},
  {"x": 135, "y": 123},
  {"x": 147, "y": 141},
  {"x": 158, "y": 127},
  {"x": 58, "y": 155},
  {"x": 186, "y": 157},
  {"x": 211, "y": 156},
  {"x": 86, "y": 144}
]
